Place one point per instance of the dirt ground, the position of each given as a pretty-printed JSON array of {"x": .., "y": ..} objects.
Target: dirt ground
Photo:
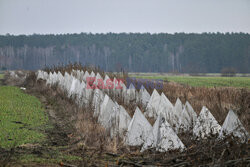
[{"x": 77, "y": 133}]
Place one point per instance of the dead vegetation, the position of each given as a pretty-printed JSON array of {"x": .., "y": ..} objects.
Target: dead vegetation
[{"x": 77, "y": 129}]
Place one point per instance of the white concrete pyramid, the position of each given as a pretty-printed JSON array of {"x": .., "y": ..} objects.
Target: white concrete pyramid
[
  {"x": 192, "y": 116},
  {"x": 124, "y": 90},
  {"x": 166, "y": 108},
  {"x": 153, "y": 104},
  {"x": 187, "y": 118},
  {"x": 191, "y": 112},
  {"x": 54, "y": 80},
  {"x": 83, "y": 94},
  {"x": 177, "y": 112},
  {"x": 45, "y": 75},
  {"x": 60, "y": 78},
  {"x": 115, "y": 83},
  {"x": 68, "y": 79},
  {"x": 233, "y": 126},
  {"x": 49, "y": 80},
  {"x": 98, "y": 78},
  {"x": 98, "y": 98},
  {"x": 178, "y": 107},
  {"x": 143, "y": 96},
  {"x": 163, "y": 137},
  {"x": 123, "y": 119},
  {"x": 98, "y": 81},
  {"x": 138, "y": 129},
  {"x": 79, "y": 75},
  {"x": 85, "y": 76},
  {"x": 40, "y": 74},
  {"x": 130, "y": 95},
  {"x": 92, "y": 74},
  {"x": 116, "y": 89},
  {"x": 72, "y": 87},
  {"x": 78, "y": 91},
  {"x": 206, "y": 124},
  {"x": 87, "y": 96},
  {"x": 107, "y": 116},
  {"x": 106, "y": 79},
  {"x": 168, "y": 138}
]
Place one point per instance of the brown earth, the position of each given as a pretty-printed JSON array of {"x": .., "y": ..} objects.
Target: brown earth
[{"x": 77, "y": 132}]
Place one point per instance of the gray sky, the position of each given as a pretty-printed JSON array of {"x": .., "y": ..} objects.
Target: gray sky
[{"x": 101, "y": 16}]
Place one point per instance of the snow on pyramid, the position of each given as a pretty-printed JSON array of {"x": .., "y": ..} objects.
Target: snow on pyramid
[
  {"x": 163, "y": 137},
  {"x": 107, "y": 116},
  {"x": 138, "y": 129},
  {"x": 85, "y": 76},
  {"x": 232, "y": 125},
  {"x": 206, "y": 124},
  {"x": 97, "y": 100},
  {"x": 143, "y": 96},
  {"x": 151, "y": 110}
]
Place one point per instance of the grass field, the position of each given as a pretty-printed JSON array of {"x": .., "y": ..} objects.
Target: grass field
[
  {"x": 22, "y": 119},
  {"x": 240, "y": 82},
  {"x": 1, "y": 76}
]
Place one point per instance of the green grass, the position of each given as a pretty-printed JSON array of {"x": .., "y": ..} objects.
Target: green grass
[
  {"x": 1, "y": 76},
  {"x": 239, "y": 82},
  {"x": 22, "y": 119}
]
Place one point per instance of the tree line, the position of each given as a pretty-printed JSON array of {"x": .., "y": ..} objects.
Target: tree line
[{"x": 133, "y": 52}]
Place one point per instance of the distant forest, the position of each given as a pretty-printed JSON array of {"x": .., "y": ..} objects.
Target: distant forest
[{"x": 132, "y": 52}]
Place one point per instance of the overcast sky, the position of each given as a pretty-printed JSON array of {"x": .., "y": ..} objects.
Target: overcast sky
[{"x": 101, "y": 16}]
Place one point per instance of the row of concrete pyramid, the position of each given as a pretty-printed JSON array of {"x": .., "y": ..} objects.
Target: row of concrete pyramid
[{"x": 170, "y": 119}]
